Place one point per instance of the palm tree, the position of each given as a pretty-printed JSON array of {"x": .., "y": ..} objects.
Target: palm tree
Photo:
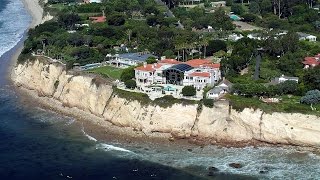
[
  {"x": 129, "y": 33},
  {"x": 205, "y": 44},
  {"x": 178, "y": 48},
  {"x": 193, "y": 46},
  {"x": 183, "y": 46}
]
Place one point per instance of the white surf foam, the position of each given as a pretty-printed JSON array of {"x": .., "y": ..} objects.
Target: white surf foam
[
  {"x": 14, "y": 21},
  {"x": 109, "y": 147},
  {"x": 88, "y": 136}
]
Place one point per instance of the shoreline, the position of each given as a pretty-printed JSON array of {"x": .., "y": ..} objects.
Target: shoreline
[
  {"x": 105, "y": 131},
  {"x": 127, "y": 134},
  {"x": 36, "y": 12}
]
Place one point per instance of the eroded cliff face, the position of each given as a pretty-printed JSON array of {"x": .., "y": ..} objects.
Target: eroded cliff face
[{"x": 218, "y": 124}]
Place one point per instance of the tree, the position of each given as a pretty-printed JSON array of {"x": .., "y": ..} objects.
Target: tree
[
  {"x": 215, "y": 46},
  {"x": 116, "y": 20},
  {"x": 265, "y": 6},
  {"x": 127, "y": 74},
  {"x": 249, "y": 17},
  {"x": 254, "y": 8},
  {"x": 312, "y": 78},
  {"x": 312, "y": 97},
  {"x": 151, "y": 9},
  {"x": 229, "y": 2},
  {"x": 189, "y": 91},
  {"x": 152, "y": 20},
  {"x": 131, "y": 84},
  {"x": 219, "y": 20},
  {"x": 151, "y": 60},
  {"x": 169, "y": 54},
  {"x": 68, "y": 20},
  {"x": 290, "y": 42},
  {"x": 237, "y": 9},
  {"x": 288, "y": 87}
]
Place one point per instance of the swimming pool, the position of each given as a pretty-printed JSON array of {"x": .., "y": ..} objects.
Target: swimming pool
[{"x": 235, "y": 17}]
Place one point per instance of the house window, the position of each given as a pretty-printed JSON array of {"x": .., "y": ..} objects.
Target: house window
[{"x": 191, "y": 78}]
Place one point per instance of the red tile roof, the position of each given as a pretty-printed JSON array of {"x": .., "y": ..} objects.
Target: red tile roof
[
  {"x": 98, "y": 19},
  {"x": 198, "y": 62},
  {"x": 169, "y": 61},
  {"x": 148, "y": 67},
  {"x": 312, "y": 61},
  {"x": 200, "y": 74},
  {"x": 202, "y": 62},
  {"x": 216, "y": 65}
]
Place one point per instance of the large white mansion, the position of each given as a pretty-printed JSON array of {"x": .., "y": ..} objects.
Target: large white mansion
[{"x": 196, "y": 72}]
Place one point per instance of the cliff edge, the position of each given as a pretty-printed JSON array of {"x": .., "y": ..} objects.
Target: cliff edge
[{"x": 220, "y": 124}]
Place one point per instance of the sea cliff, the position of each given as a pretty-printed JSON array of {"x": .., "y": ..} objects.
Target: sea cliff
[{"x": 221, "y": 124}]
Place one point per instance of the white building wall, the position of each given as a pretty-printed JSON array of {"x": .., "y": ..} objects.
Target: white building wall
[{"x": 144, "y": 78}]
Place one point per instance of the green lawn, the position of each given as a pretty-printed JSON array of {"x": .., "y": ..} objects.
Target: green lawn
[
  {"x": 287, "y": 104},
  {"x": 107, "y": 71}
]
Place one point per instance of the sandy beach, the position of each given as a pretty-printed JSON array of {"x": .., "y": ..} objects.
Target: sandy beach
[{"x": 35, "y": 11}]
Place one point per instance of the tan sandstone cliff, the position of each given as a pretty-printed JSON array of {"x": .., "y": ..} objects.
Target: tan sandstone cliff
[{"x": 218, "y": 124}]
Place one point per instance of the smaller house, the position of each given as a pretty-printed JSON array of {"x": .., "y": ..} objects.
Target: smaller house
[
  {"x": 129, "y": 59},
  {"x": 91, "y": 1},
  {"x": 256, "y": 36},
  {"x": 98, "y": 19},
  {"x": 310, "y": 62},
  {"x": 222, "y": 88},
  {"x": 81, "y": 25},
  {"x": 235, "y": 37},
  {"x": 218, "y": 4},
  {"x": 306, "y": 37},
  {"x": 215, "y": 93},
  {"x": 284, "y": 78}
]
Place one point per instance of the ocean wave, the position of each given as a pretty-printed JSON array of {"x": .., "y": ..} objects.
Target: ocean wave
[
  {"x": 87, "y": 135},
  {"x": 265, "y": 162},
  {"x": 14, "y": 21},
  {"x": 109, "y": 147}
]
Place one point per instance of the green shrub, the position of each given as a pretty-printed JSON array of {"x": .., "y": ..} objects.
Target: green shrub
[
  {"x": 249, "y": 17},
  {"x": 131, "y": 84},
  {"x": 311, "y": 97},
  {"x": 127, "y": 74},
  {"x": 189, "y": 91},
  {"x": 208, "y": 103}
]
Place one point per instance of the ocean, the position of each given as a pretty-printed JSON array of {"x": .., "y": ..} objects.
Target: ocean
[{"x": 41, "y": 144}]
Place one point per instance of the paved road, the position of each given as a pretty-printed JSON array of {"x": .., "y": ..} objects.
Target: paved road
[{"x": 169, "y": 13}]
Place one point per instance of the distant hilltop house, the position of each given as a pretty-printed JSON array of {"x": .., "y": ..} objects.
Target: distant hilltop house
[
  {"x": 197, "y": 73},
  {"x": 284, "y": 78},
  {"x": 218, "y": 4},
  {"x": 129, "y": 59},
  {"x": 98, "y": 19},
  {"x": 235, "y": 37},
  {"x": 310, "y": 62},
  {"x": 189, "y": 2},
  {"x": 306, "y": 37},
  {"x": 222, "y": 88},
  {"x": 81, "y": 25},
  {"x": 91, "y": 1},
  {"x": 256, "y": 36}
]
